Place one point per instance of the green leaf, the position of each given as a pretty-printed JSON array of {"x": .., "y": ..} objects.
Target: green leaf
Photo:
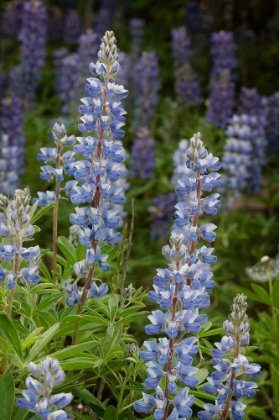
[
  {"x": 10, "y": 334},
  {"x": 21, "y": 414},
  {"x": 110, "y": 330},
  {"x": 130, "y": 318},
  {"x": 5, "y": 347},
  {"x": 49, "y": 300},
  {"x": 216, "y": 331},
  {"x": 275, "y": 293},
  {"x": 40, "y": 288},
  {"x": 201, "y": 375},
  {"x": 87, "y": 397},
  {"x": 41, "y": 212},
  {"x": 31, "y": 338},
  {"x": 111, "y": 413},
  {"x": 46, "y": 272},
  {"x": 73, "y": 350},
  {"x": 113, "y": 301},
  {"x": 67, "y": 248},
  {"x": 41, "y": 343},
  {"x": 7, "y": 392},
  {"x": 33, "y": 209},
  {"x": 80, "y": 252},
  {"x": 262, "y": 293},
  {"x": 79, "y": 363}
]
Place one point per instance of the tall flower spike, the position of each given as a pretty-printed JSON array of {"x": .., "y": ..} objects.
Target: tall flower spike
[
  {"x": 181, "y": 290},
  {"x": 221, "y": 101},
  {"x": 38, "y": 397},
  {"x": 33, "y": 41},
  {"x": 187, "y": 88},
  {"x": 17, "y": 262},
  {"x": 222, "y": 53},
  {"x": 97, "y": 175},
  {"x": 146, "y": 88},
  {"x": 229, "y": 363}
]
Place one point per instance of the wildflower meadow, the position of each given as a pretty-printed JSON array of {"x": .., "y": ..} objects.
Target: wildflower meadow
[{"x": 139, "y": 210}]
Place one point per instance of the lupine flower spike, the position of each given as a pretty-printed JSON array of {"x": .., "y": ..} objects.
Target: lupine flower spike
[
  {"x": 181, "y": 290},
  {"x": 15, "y": 230},
  {"x": 38, "y": 397},
  {"x": 229, "y": 363},
  {"x": 99, "y": 171}
]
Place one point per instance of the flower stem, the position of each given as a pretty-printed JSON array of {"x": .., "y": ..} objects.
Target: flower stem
[{"x": 55, "y": 219}]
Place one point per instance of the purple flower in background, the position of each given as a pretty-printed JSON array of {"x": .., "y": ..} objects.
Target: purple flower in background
[
  {"x": 11, "y": 18},
  {"x": 270, "y": 106},
  {"x": 142, "y": 163},
  {"x": 244, "y": 156},
  {"x": 193, "y": 17},
  {"x": 161, "y": 212},
  {"x": 187, "y": 88},
  {"x": 72, "y": 29},
  {"x": 12, "y": 144},
  {"x": 67, "y": 80},
  {"x": 221, "y": 100},
  {"x": 181, "y": 290},
  {"x": 104, "y": 19},
  {"x": 180, "y": 46},
  {"x": 55, "y": 25},
  {"x": 137, "y": 35},
  {"x": 88, "y": 45},
  {"x": 146, "y": 87},
  {"x": 249, "y": 102},
  {"x": 32, "y": 50},
  {"x": 222, "y": 53},
  {"x": 10, "y": 161}
]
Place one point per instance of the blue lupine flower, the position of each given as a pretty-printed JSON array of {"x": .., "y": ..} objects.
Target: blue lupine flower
[
  {"x": 99, "y": 175},
  {"x": 37, "y": 397},
  {"x": 96, "y": 291},
  {"x": 146, "y": 405},
  {"x": 183, "y": 402},
  {"x": 223, "y": 382},
  {"x": 182, "y": 288},
  {"x": 17, "y": 228},
  {"x": 54, "y": 155}
]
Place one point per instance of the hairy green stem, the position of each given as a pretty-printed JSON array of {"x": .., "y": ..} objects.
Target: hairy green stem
[{"x": 55, "y": 220}]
